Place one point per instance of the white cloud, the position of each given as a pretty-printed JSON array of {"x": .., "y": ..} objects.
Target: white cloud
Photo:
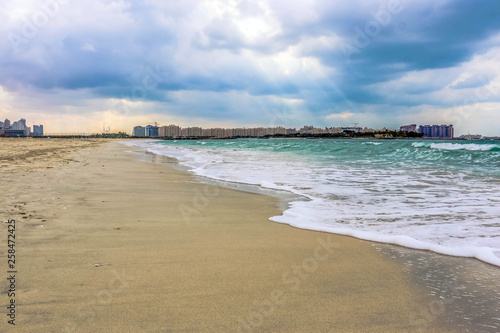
[
  {"x": 88, "y": 47},
  {"x": 472, "y": 82},
  {"x": 246, "y": 61},
  {"x": 343, "y": 115}
]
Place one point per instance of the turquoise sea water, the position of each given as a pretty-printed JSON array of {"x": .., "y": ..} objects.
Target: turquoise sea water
[{"x": 438, "y": 195}]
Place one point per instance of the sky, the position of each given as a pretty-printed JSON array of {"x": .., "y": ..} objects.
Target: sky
[{"x": 79, "y": 66}]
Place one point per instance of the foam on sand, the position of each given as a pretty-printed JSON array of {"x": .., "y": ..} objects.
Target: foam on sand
[{"x": 419, "y": 195}]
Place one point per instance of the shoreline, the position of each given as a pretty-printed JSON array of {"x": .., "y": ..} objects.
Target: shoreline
[
  {"x": 224, "y": 268},
  {"x": 450, "y": 296},
  {"x": 288, "y": 197}
]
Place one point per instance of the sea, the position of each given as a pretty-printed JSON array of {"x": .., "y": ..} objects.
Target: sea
[{"x": 442, "y": 196}]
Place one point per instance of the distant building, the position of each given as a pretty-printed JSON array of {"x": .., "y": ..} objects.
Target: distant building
[
  {"x": 151, "y": 131},
  {"x": 471, "y": 137},
  {"x": 446, "y": 131},
  {"x": 352, "y": 129},
  {"x": 139, "y": 132},
  {"x": 21, "y": 124},
  {"x": 192, "y": 132},
  {"x": 437, "y": 131},
  {"x": 14, "y": 133},
  {"x": 18, "y": 128},
  {"x": 409, "y": 128},
  {"x": 37, "y": 130},
  {"x": 426, "y": 130},
  {"x": 306, "y": 130},
  {"x": 174, "y": 131},
  {"x": 170, "y": 131},
  {"x": 326, "y": 130}
]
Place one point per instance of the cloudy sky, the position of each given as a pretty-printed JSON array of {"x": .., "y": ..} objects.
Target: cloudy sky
[{"x": 80, "y": 65}]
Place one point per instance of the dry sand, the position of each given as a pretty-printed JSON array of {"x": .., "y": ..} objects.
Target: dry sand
[{"x": 176, "y": 255}]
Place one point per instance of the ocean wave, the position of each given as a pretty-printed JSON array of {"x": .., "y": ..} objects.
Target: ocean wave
[
  {"x": 445, "y": 210},
  {"x": 372, "y": 143},
  {"x": 457, "y": 146}
]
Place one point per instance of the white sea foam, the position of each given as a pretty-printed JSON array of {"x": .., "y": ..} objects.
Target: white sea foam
[
  {"x": 444, "y": 211},
  {"x": 457, "y": 146}
]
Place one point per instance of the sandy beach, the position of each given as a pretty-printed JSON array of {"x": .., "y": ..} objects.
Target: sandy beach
[{"x": 109, "y": 242}]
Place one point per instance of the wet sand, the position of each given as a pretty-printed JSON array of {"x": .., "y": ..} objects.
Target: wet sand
[{"x": 107, "y": 242}]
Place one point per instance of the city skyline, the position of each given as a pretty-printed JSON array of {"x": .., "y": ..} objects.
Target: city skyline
[
  {"x": 175, "y": 131},
  {"x": 443, "y": 131},
  {"x": 429, "y": 131},
  {"x": 233, "y": 63},
  {"x": 19, "y": 128}
]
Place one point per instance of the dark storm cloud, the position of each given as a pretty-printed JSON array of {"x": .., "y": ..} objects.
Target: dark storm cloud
[{"x": 143, "y": 51}]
